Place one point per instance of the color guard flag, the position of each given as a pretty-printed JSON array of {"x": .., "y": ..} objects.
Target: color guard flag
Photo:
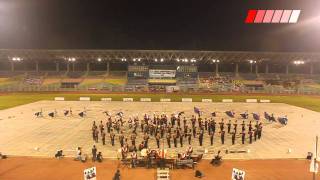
[
  {"x": 82, "y": 114},
  {"x": 51, "y": 114},
  {"x": 196, "y": 110}
]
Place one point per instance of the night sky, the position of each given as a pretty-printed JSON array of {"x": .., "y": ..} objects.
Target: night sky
[{"x": 168, "y": 24}]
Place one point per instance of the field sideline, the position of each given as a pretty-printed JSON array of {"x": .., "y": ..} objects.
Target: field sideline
[{"x": 9, "y": 100}]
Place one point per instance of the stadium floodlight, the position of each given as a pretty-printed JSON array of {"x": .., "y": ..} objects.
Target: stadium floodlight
[
  {"x": 16, "y": 59},
  {"x": 193, "y": 60},
  {"x": 71, "y": 59},
  {"x": 215, "y": 60},
  {"x": 298, "y": 62},
  {"x": 252, "y": 62}
]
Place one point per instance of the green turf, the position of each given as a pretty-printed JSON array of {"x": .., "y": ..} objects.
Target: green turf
[{"x": 12, "y": 100}]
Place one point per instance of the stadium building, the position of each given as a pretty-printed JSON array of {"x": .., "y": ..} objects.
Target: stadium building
[{"x": 159, "y": 70}]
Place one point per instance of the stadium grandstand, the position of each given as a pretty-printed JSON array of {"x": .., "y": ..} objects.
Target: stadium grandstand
[{"x": 159, "y": 70}]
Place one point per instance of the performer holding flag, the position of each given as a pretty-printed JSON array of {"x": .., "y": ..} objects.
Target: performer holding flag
[
  {"x": 83, "y": 113},
  {"x": 197, "y": 111}
]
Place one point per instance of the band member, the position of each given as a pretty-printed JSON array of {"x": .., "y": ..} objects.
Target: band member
[
  {"x": 211, "y": 138},
  {"x": 259, "y": 130},
  {"x": 235, "y": 125},
  {"x": 158, "y": 140},
  {"x": 213, "y": 126},
  {"x": 174, "y": 139},
  {"x": 243, "y": 136},
  {"x": 134, "y": 158},
  {"x": 121, "y": 139},
  {"x": 142, "y": 125},
  {"x": 94, "y": 127},
  {"x": 133, "y": 139},
  {"x": 193, "y": 121},
  {"x": 200, "y": 137},
  {"x": 206, "y": 124},
  {"x": 112, "y": 135},
  {"x": 184, "y": 121},
  {"x": 109, "y": 125},
  {"x": 250, "y": 126},
  {"x": 146, "y": 140},
  {"x": 94, "y": 153},
  {"x": 181, "y": 139},
  {"x": 222, "y": 136},
  {"x": 255, "y": 134},
  {"x": 96, "y": 135},
  {"x": 250, "y": 137},
  {"x": 194, "y": 131},
  {"x": 130, "y": 123},
  {"x": 189, "y": 137},
  {"x": 233, "y": 138},
  {"x": 103, "y": 135},
  {"x": 168, "y": 140},
  {"x": 221, "y": 125},
  {"x": 101, "y": 127},
  {"x": 229, "y": 126},
  {"x": 243, "y": 126}
]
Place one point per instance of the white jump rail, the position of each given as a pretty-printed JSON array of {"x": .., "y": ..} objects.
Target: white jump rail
[
  {"x": 127, "y": 99},
  {"x": 106, "y": 99},
  {"x": 251, "y": 100},
  {"x": 59, "y": 98},
  {"x": 165, "y": 100},
  {"x": 84, "y": 99},
  {"x": 145, "y": 99},
  {"x": 227, "y": 100},
  {"x": 206, "y": 100},
  {"x": 186, "y": 99},
  {"x": 265, "y": 101}
]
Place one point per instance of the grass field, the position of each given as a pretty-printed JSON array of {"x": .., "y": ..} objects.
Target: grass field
[{"x": 15, "y": 99}]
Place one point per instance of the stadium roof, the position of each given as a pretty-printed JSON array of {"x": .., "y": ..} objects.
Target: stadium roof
[{"x": 150, "y": 55}]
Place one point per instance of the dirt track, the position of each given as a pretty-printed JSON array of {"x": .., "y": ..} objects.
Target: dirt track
[{"x": 16, "y": 168}]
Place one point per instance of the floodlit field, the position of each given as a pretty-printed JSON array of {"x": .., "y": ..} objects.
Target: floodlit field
[{"x": 22, "y": 134}]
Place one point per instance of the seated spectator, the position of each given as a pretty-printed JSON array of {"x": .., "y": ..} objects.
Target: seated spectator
[
  {"x": 2, "y": 156},
  {"x": 79, "y": 153},
  {"x": 59, "y": 154},
  {"x": 79, "y": 156},
  {"x": 99, "y": 157},
  {"x": 217, "y": 159}
]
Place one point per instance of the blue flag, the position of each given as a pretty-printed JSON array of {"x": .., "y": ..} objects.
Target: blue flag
[{"x": 196, "y": 110}]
